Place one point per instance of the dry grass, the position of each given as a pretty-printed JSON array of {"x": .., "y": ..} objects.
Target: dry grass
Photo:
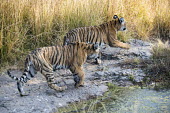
[
  {"x": 159, "y": 68},
  {"x": 28, "y": 24}
]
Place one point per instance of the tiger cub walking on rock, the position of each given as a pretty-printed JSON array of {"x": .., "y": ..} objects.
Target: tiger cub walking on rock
[
  {"x": 105, "y": 33},
  {"x": 48, "y": 59}
]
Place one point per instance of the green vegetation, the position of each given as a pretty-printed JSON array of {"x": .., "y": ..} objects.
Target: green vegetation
[
  {"x": 29, "y": 24},
  {"x": 159, "y": 68},
  {"x": 97, "y": 104}
]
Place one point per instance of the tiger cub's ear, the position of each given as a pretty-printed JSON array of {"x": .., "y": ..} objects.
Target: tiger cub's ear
[
  {"x": 115, "y": 17},
  {"x": 96, "y": 46}
]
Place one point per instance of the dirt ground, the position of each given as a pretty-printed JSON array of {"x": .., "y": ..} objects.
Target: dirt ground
[{"x": 42, "y": 99}]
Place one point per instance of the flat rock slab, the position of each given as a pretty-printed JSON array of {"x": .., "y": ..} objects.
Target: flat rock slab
[{"x": 42, "y": 99}]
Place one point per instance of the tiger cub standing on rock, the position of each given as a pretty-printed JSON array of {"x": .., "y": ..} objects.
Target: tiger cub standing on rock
[
  {"x": 48, "y": 59},
  {"x": 105, "y": 33}
]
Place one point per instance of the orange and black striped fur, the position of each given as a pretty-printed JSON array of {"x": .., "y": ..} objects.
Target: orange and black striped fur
[
  {"x": 103, "y": 34},
  {"x": 48, "y": 59}
]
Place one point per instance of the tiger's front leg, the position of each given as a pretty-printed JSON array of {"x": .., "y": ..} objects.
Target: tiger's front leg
[
  {"x": 117, "y": 43},
  {"x": 78, "y": 75},
  {"x": 98, "y": 59}
]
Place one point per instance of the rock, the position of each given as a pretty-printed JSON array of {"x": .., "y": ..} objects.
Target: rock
[
  {"x": 138, "y": 48},
  {"x": 47, "y": 100},
  {"x": 136, "y": 42}
]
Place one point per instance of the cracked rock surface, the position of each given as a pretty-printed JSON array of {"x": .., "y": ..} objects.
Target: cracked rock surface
[{"x": 42, "y": 99}]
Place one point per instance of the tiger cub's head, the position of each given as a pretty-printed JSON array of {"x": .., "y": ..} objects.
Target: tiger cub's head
[
  {"x": 88, "y": 48},
  {"x": 93, "y": 48},
  {"x": 119, "y": 23}
]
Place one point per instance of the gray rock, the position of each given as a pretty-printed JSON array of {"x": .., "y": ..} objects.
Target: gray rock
[{"x": 42, "y": 99}]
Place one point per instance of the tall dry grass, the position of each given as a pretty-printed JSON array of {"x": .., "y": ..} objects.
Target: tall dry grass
[
  {"x": 159, "y": 68},
  {"x": 28, "y": 24}
]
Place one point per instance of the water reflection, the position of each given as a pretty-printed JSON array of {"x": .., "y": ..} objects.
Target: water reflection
[
  {"x": 143, "y": 101},
  {"x": 124, "y": 100}
]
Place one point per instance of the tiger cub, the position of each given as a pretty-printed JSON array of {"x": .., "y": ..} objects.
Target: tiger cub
[
  {"x": 48, "y": 59},
  {"x": 105, "y": 33}
]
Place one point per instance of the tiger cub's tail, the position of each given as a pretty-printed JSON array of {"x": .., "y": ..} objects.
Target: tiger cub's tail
[{"x": 27, "y": 74}]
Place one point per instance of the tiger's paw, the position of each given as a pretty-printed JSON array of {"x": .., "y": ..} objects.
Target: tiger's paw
[
  {"x": 126, "y": 46},
  {"x": 98, "y": 61},
  {"x": 24, "y": 94},
  {"x": 76, "y": 79},
  {"x": 79, "y": 85},
  {"x": 63, "y": 88}
]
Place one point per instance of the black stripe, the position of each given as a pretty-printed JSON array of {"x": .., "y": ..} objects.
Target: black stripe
[
  {"x": 97, "y": 33},
  {"x": 92, "y": 35},
  {"x": 31, "y": 74},
  {"x": 53, "y": 55},
  {"x": 87, "y": 34},
  {"x": 47, "y": 70},
  {"x": 57, "y": 54}
]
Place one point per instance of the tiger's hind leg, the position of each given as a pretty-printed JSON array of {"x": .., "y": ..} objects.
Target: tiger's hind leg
[
  {"x": 20, "y": 86},
  {"x": 28, "y": 74},
  {"x": 53, "y": 85},
  {"x": 51, "y": 81},
  {"x": 20, "y": 81}
]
